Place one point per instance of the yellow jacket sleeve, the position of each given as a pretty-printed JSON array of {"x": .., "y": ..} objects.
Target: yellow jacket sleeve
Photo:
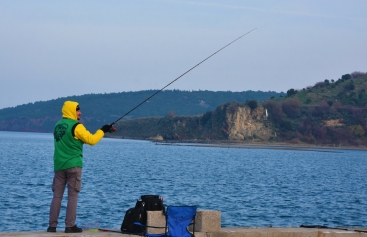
[{"x": 85, "y": 136}]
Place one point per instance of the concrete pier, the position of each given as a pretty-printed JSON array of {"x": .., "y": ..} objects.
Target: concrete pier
[
  {"x": 208, "y": 225},
  {"x": 224, "y": 232}
]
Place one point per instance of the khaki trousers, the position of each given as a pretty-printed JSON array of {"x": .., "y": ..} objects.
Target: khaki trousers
[{"x": 73, "y": 178}]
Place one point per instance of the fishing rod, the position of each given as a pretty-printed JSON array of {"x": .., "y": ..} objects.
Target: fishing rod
[{"x": 180, "y": 77}]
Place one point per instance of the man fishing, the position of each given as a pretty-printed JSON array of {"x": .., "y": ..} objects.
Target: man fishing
[{"x": 69, "y": 137}]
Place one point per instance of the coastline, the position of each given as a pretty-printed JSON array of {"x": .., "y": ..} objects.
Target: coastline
[
  {"x": 260, "y": 146},
  {"x": 248, "y": 145},
  {"x": 274, "y": 146}
]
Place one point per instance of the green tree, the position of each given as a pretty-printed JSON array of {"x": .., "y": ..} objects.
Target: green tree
[
  {"x": 350, "y": 86},
  {"x": 346, "y": 77},
  {"x": 291, "y": 92}
]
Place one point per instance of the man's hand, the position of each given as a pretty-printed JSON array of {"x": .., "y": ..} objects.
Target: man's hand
[{"x": 108, "y": 128}]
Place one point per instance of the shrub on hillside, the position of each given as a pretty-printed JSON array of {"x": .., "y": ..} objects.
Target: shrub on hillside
[
  {"x": 358, "y": 74},
  {"x": 350, "y": 86},
  {"x": 275, "y": 111},
  {"x": 291, "y": 108},
  {"x": 252, "y": 104},
  {"x": 204, "y": 119}
]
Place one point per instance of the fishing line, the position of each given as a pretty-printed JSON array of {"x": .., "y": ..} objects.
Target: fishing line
[{"x": 181, "y": 76}]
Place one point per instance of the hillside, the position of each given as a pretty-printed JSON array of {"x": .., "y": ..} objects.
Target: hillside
[
  {"x": 99, "y": 109},
  {"x": 350, "y": 89},
  {"x": 330, "y": 113}
]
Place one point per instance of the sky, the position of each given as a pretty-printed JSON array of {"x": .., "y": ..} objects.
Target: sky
[{"x": 53, "y": 49}]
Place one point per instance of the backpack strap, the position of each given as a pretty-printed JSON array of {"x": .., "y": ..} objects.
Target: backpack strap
[{"x": 73, "y": 129}]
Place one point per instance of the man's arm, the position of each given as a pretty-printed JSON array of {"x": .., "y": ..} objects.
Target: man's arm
[{"x": 85, "y": 136}]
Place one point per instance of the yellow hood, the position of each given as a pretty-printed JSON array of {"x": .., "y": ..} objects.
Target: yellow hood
[{"x": 69, "y": 110}]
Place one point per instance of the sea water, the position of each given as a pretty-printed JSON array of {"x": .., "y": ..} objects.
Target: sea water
[{"x": 251, "y": 187}]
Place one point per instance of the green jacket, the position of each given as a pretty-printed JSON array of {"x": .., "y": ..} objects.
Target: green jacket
[{"x": 68, "y": 150}]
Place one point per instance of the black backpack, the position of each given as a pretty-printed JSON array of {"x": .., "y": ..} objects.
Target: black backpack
[{"x": 139, "y": 213}]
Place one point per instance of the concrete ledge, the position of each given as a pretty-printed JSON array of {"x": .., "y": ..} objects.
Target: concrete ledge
[
  {"x": 156, "y": 218},
  {"x": 224, "y": 232},
  {"x": 207, "y": 221}
]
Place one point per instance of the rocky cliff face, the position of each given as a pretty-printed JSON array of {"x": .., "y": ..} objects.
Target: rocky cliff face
[
  {"x": 244, "y": 123},
  {"x": 231, "y": 121}
]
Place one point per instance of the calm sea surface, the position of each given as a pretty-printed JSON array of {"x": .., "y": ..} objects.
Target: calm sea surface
[{"x": 251, "y": 187}]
